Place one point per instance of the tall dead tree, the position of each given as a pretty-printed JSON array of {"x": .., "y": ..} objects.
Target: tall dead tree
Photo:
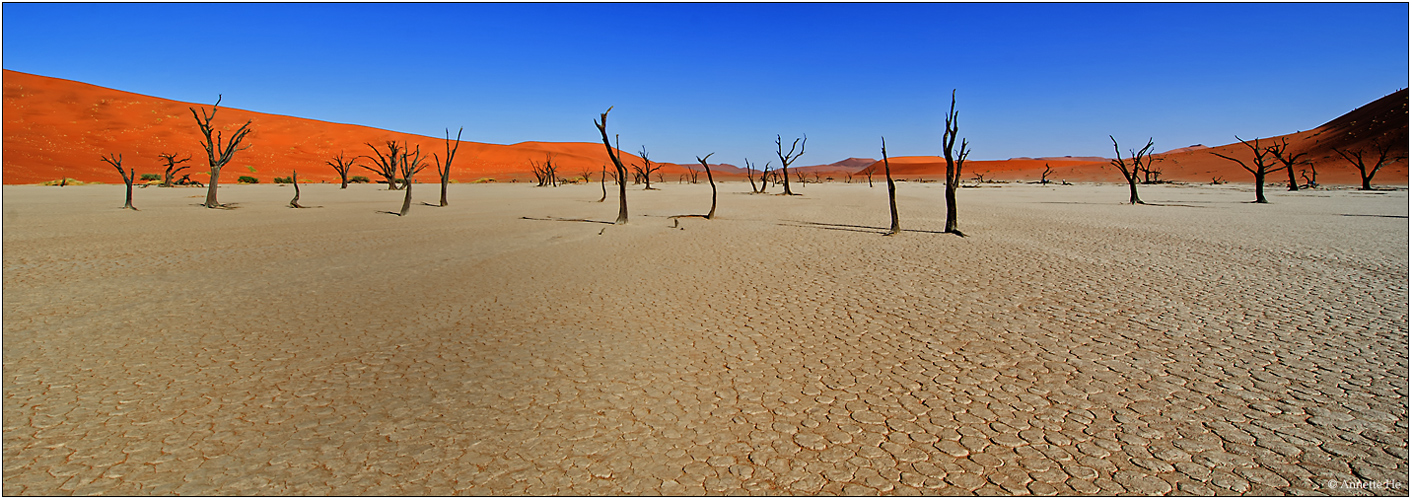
[
  {"x": 116, "y": 160},
  {"x": 172, "y": 168},
  {"x": 342, "y": 166},
  {"x": 955, "y": 160},
  {"x": 294, "y": 179},
  {"x": 1044, "y": 176},
  {"x": 712, "y": 213},
  {"x": 386, "y": 165},
  {"x": 618, "y": 164},
  {"x": 1131, "y": 170},
  {"x": 644, "y": 172},
  {"x": 1385, "y": 156},
  {"x": 891, "y": 192},
  {"x": 1285, "y": 156},
  {"x": 1263, "y": 165},
  {"x": 409, "y": 168},
  {"x": 444, "y": 170},
  {"x": 217, "y": 153},
  {"x": 787, "y": 158}
]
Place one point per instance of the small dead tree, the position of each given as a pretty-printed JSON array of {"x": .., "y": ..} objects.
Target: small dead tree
[
  {"x": 342, "y": 166},
  {"x": 386, "y": 165},
  {"x": 217, "y": 154},
  {"x": 1044, "y": 176},
  {"x": 1263, "y": 165},
  {"x": 693, "y": 175},
  {"x": 955, "y": 160},
  {"x": 870, "y": 175},
  {"x": 618, "y": 164},
  {"x": 444, "y": 170},
  {"x": 750, "y": 175},
  {"x": 1285, "y": 156},
  {"x": 1131, "y": 170},
  {"x": 294, "y": 179},
  {"x": 1311, "y": 176},
  {"x": 1385, "y": 156},
  {"x": 172, "y": 168},
  {"x": 116, "y": 160},
  {"x": 644, "y": 172},
  {"x": 602, "y": 183},
  {"x": 891, "y": 192},
  {"x": 788, "y": 158},
  {"x": 409, "y": 168},
  {"x": 546, "y": 173}
]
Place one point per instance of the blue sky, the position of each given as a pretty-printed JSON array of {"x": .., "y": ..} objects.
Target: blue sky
[{"x": 691, "y": 79}]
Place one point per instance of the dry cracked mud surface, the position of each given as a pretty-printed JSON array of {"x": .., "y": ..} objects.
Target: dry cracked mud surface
[{"x": 1070, "y": 345}]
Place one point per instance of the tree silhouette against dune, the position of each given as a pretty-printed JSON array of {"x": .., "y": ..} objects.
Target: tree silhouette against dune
[
  {"x": 217, "y": 154},
  {"x": 617, "y": 163}
]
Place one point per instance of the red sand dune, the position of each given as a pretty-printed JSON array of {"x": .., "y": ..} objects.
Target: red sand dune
[
  {"x": 1385, "y": 119},
  {"x": 56, "y": 128}
]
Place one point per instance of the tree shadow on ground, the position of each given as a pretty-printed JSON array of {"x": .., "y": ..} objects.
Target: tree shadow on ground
[
  {"x": 853, "y": 227},
  {"x": 1375, "y": 215},
  {"x": 560, "y": 219}
]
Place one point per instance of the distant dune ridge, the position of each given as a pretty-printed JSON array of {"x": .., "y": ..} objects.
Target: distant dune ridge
[{"x": 55, "y": 128}]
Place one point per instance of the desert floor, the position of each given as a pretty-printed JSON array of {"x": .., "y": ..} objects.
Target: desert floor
[{"x": 1070, "y": 344}]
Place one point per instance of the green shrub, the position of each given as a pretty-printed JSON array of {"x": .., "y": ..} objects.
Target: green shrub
[
  {"x": 284, "y": 180},
  {"x": 358, "y": 179},
  {"x": 245, "y": 179},
  {"x": 151, "y": 177}
]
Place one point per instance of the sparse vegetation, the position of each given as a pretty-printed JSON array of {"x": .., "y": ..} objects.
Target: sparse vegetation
[
  {"x": 358, "y": 179},
  {"x": 245, "y": 179}
]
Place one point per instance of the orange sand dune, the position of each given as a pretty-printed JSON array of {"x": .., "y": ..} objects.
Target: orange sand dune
[
  {"x": 56, "y": 128},
  {"x": 1384, "y": 119}
]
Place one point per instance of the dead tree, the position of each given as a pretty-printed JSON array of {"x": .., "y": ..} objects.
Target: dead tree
[
  {"x": 116, "y": 160},
  {"x": 1311, "y": 176},
  {"x": 1044, "y": 176},
  {"x": 618, "y": 164},
  {"x": 1385, "y": 156},
  {"x": 602, "y": 183},
  {"x": 1283, "y": 154},
  {"x": 787, "y": 158},
  {"x": 172, "y": 168},
  {"x": 693, "y": 176},
  {"x": 386, "y": 165},
  {"x": 712, "y": 213},
  {"x": 444, "y": 170},
  {"x": 870, "y": 176},
  {"x": 955, "y": 160},
  {"x": 342, "y": 166},
  {"x": 217, "y": 154},
  {"x": 800, "y": 177},
  {"x": 891, "y": 192},
  {"x": 294, "y": 179},
  {"x": 409, "y": 168},
  {"x": 644, "y": 172},
  {"x": 1130, "y": 171},
  {"x": 546, "y": 173},
  {"x": 1263, "y": 165},
  {"x": 750, "y": 175}
]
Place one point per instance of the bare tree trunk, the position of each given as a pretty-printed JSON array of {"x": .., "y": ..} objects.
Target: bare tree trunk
[
  {"x": 712, "y": 213},
  {"x": 172, "y": 168},
  {"x": 409, "y": 169},
  {"x": 787, "y": 158},
  {"x": 294, "y": 178},
  {"x": 953, "y": 165},
  {"x": 217, "y": 155},
  {"x": 750, "y": 175},
  {"x": 1130, "y": 172},
  {"x": 342, "y": 166},
  {"x": 891, "y": 192},
  {"x": 116, "y": 160},
  {"x": 603, "y": 183},
  {"x": 445, "y": 171},
  {"x": 1044, "y": 177},
  {"x": 617, "y": 163},
  {"x": 1261, "y": 167}
]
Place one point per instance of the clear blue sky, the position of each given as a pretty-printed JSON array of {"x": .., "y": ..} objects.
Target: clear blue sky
[{"x": 690, "y": 79}]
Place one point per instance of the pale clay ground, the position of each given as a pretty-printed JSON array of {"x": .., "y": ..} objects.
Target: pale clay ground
[{"x": 1071, "y": 344}]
